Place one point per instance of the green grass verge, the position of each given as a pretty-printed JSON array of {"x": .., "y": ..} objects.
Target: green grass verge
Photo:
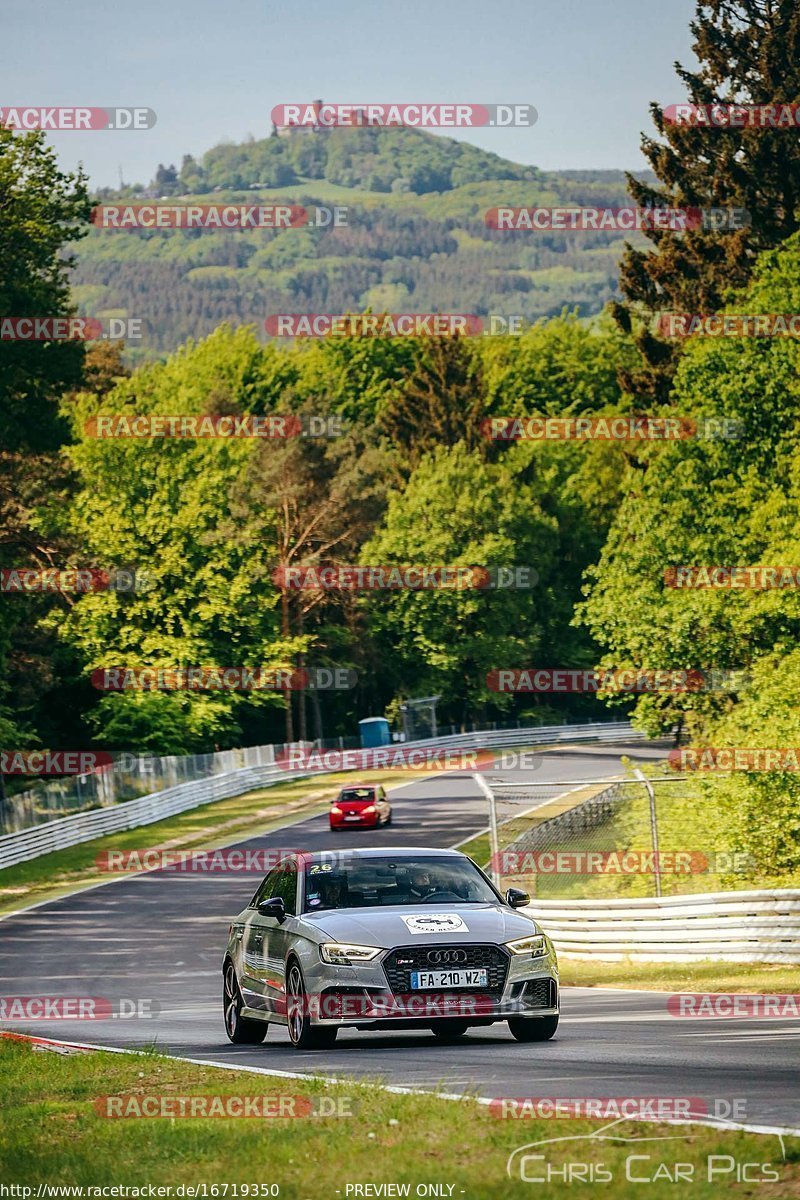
[
  {"x": 704, "y": 976},
  {"x": 206, "y": 827},
  {"x": 53, "y": 1134}
]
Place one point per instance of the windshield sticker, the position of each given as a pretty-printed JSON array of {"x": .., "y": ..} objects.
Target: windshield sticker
[{"x": 435, "y": 923}]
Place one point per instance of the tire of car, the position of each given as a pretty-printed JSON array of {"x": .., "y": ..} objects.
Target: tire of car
[
  {"x": 242, "y": 1031},
  {"x": 449, "y": 1031},
  {"x": 533, "y": 1029},
  {"x": 302, "y": 1034}
]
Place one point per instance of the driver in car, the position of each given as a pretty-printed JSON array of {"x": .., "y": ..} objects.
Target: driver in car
[
  {"x": 332, "y": 892},
  {"x": 421, "y": 883}
]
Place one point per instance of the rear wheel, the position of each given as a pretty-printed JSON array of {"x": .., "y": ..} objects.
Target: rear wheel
[
  {"x": 449, "y": 1031},
  {"x": 242, "y": 1031},
  {"x": 302, "y": 1034},
  {"x": 533, "y": 1029}
]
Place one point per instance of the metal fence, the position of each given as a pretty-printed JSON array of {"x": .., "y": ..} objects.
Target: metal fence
[
  {"x": 128, "y": 777},
  {"x": 754, "y": 926},
  {"x": 72, "y": 830},
  {"x": 634, "y": 837},
  {"x": 593, "y": 856},
  {"x": 131, "y": 776}
]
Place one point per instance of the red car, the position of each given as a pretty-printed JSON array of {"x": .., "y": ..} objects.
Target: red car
[{"x": 361, "y": 804}]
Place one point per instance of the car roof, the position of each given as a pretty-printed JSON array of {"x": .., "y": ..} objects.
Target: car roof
[{"x": 383, "y": 851}]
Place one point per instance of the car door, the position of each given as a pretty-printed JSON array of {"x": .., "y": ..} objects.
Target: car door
[
  {"x": 255, "y": 945},
  {"x": 278, "y": 937}
]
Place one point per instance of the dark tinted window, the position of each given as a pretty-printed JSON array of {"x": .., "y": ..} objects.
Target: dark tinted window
[
  {"x": 364, "y": 793},
  {"x": 286, "y": 886},
  {"x": 345, "y": 882},
  {"x": 265, "y": 889}
]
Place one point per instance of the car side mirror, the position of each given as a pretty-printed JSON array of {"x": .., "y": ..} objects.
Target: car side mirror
[
  {"x": 516, "y": 898},
  {"x": 273, "y": 907}
]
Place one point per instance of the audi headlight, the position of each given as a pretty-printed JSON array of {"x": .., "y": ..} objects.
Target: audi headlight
[
  {"x": 342, "y": 954},
  {"x": 335, "y": 809},
  {"x": 536, "y": 946},
  {"x": 369, "y": 809}
]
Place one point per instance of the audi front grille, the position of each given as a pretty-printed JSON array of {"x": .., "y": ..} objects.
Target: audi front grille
[{"x": 399, "y": 964}]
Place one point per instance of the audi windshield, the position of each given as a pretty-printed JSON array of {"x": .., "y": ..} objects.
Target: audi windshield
[{"x": 377, "y": 882}]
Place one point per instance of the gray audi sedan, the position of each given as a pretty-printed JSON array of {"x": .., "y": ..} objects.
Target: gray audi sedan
[{"x": 386, "y": 939}]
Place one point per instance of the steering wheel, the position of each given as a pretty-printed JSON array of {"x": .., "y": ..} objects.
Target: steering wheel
[{"x": 435, "y": 897}]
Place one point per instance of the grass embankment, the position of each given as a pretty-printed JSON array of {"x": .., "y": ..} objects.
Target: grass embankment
[
  {"x": 53, "y": 1134},
  {"x": 688, "y": 820},
  {"x": 207, "y": 827},
  {"x": 703, "y": 976}
]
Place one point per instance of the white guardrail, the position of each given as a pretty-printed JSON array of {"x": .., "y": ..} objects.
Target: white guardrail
[
  {"x": 130, "y": 814},
  {"x": 757, "y": 926}
]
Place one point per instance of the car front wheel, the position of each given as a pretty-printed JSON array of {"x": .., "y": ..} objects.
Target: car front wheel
[
  {"x": 302, "y": 1034},
  {"x": 242, "y": 1031},
  {"x": 533, "y": 1029}
]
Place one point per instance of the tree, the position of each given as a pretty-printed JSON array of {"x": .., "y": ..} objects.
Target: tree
[
  {"x": 458, "y": 509},
  {"x": 749, "y": 53},
  {"x": 166, "y": 180},
  {"x": 440, "y": 402},
  {"x": 711, "y": 502},
  {"x": 162, "y": 507},
  {"x": 313, "y": 500},
  {"x": 43, "y": 211}
]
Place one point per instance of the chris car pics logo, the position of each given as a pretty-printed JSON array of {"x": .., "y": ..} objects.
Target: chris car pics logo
[{"x": 650, "y": 1161}]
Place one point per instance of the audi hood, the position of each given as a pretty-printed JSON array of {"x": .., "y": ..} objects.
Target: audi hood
[{"x": 407, "y": 924}]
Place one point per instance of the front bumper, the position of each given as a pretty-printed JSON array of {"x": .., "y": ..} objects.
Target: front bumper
[
  {"x": 362, "y": 997},
  {"x": 368, "y": 822}
]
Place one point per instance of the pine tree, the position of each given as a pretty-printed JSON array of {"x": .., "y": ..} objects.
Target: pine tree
[{"x": 749, "y": 53}]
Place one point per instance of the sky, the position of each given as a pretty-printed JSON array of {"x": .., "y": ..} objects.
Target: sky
[{"x": 213, "y": 70}]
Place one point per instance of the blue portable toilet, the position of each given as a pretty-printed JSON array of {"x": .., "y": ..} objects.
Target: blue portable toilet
[{"x": 374, "y": 732}]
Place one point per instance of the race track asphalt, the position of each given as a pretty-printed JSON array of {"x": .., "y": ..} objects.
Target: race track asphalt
[{"x": 160, "y": 937}]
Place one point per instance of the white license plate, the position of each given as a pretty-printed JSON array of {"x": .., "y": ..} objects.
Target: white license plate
[
  {"x": 442, "y": 979},
  {"x": 353, "y": 817}
]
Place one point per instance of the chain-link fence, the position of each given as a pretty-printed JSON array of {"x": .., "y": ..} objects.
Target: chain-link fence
[
  {"x": 596, "y": 838},
  {"x": 126, "y": 778}
]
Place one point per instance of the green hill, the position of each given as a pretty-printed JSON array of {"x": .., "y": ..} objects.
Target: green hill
[{"x": 415, "y": 238}]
